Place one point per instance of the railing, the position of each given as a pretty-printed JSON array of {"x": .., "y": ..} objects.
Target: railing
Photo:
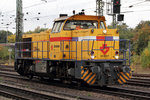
[
  {"x": 30, "y": 49},
  {"x": 69, "y": 47},
  {"x": 124, "y": 49}
]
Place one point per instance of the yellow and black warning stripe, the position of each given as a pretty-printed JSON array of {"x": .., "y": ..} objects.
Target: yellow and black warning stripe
[
  {"x": 123, "y": 77},
  {"x": 88, "y": 76}
]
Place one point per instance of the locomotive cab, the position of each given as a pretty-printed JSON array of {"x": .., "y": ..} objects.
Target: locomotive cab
[
  {"x": 86, "y": 32},
  {"x": 96, "y": 49}
]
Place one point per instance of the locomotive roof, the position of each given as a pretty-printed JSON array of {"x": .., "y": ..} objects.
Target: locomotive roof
[
  {"x": 80, "y": 17},
  {"x": 61, "y": 18}
]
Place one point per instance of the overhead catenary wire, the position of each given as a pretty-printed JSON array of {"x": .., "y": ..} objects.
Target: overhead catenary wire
[
  {"x": 31, "y": 6},
  {"x": 127, "y": 2},
  {"x": 135, "y": 4},
  {"x": 137, "y": 11}
]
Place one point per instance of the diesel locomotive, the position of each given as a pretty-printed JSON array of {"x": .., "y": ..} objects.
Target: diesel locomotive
[{"x": 78, "y": 48}]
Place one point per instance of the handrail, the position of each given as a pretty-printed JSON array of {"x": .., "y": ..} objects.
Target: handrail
[
  {"x": 19, "y": 52},
  {"x": 124, "y": 50},
  {"x": 70, "y": 41},
  {"x": 120, "y": 49}
]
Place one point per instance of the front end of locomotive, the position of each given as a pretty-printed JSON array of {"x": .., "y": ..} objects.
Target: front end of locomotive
[
  {"x": 109, "y": 73},
  {"x": 108, "y": 61}
]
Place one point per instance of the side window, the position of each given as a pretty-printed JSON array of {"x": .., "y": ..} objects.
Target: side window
[
  {"x": 54, "y": 27},
  {"x": 57, "y": 27},
  {"x": 60, "y": 26},
  {"x": 102, "y": 25}
]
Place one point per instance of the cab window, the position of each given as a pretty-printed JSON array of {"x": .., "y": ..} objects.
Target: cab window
[
  {"x": 80, "y": 24},
  {"x": 57, "y": 27},
  {"x": 102, "y": 25}
]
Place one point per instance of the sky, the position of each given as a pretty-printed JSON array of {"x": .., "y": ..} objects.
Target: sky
[{"x": 41, "y": 13}]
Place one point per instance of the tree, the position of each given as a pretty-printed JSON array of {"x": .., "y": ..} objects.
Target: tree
[
  {"x": 11, "y": 38},
  {"x": 36, "y": 30},
  {"x": 124, "y": 31},
  {"x": 4, "y": 54},
  {"x": 3, "y": 35},
  {"x": 145, "y": 57},
  {"x": 142, "y": 36}
]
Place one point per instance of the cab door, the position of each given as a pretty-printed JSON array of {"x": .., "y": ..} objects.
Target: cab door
[
  {"x": 55, "y": 40},
  {"x": 66, "y": 42}
]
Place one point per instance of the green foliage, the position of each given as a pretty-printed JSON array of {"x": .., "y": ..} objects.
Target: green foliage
[
  {"x": 3, "y": 35},
  {"x": 142, "y": 42},
  {"x": 124, "y": 31},
  {"x": 135, "y": 59},
  {"x": 4, "y": 54},
  {"x": 145, "y": 57},
  {"x": 11, "y": 39},
  {"x": 37, "y": 30},
  {"x": 142, "y": 24},
  {"x": 142, "y": 36}
]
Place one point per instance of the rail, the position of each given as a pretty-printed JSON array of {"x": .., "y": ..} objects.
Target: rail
[
  {"x": 27, "y": 49},
  {"x": 69, "y": 46},
  {"x": 124, "y": 49}
]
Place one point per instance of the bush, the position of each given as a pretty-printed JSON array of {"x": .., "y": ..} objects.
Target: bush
[
  {"x": 145, "y": 57},
  {"x": 4, "y": 54}
]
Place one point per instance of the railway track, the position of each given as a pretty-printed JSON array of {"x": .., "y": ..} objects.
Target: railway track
[
  {"x": 127, "y": 93},
  {"x": 135, "y": 81},
  {"x": 110, "y": 90},
  {"x": 26, "y": 94},
  {"x": 141, "y": 75},
  {"x": 139, "y": 82},
  {"x": 14, "y": 76},
  {"x": 117, "y": 91},
  {"x": 7, "y": 68}
]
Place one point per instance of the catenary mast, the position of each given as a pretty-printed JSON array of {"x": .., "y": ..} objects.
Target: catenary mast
[
  {"x": 19, "y": 25},
  {"x": 19, "y": 21},
  {"x": 99, "y": 7}
]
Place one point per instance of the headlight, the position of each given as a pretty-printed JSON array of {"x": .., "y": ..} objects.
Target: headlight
[
  {"x": 92, "y": 54},
  {"x": 117, "y": 57},
  {"x": 92, "y": 57}
]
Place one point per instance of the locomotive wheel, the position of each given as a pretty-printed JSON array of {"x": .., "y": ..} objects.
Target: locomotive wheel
[
  {"x": 104, "y": 86},
  {"x": 41, "y": 78},
  {"x": 30, "y": 76},
  {"x": 20, "y": 71}
]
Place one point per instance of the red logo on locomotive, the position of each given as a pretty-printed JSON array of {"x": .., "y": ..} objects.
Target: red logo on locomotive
[{"x": 104, "y": 49}]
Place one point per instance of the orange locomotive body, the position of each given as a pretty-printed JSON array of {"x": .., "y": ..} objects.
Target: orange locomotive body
[{"x": 79, "y": 48}]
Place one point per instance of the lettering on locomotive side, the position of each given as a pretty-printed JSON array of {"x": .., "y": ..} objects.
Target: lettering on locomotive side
[
  {"x": 104, "y": 55},
  {"x": 56, "y": 46},
  {"x": 81, "y": 32}
]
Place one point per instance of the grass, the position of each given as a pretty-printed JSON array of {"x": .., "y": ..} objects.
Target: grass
[
  {"x": 0, "y": 78},
  {"x": 140, "y": 70},
  {"x": 89, "y": 94},
  {"x": 6, "y": 62}
]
